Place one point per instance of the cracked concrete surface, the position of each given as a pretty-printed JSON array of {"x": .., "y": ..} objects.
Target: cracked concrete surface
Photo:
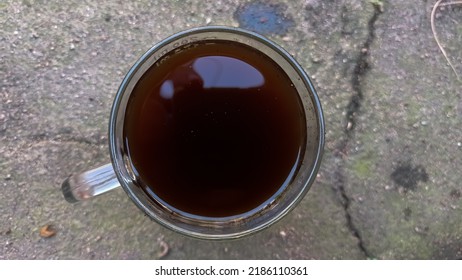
[
  {"x": 388, "y": 187},
  {"x": 352, "y": 110},
  {"x": 405, "y": 149}
]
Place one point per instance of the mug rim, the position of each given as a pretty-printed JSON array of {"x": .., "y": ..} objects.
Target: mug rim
[{"x": 122, "y": 91}]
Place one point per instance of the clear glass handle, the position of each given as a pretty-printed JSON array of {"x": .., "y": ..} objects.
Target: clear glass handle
[{"x": 90, "y": 183}]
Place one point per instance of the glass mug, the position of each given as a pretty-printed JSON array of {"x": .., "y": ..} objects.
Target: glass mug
[{"x": 122, "y": 172}]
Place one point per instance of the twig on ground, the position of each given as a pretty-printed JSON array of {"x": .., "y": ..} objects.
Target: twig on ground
[{"x": 435, "y": 36}]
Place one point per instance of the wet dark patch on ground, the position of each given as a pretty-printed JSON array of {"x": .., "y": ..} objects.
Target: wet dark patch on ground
[
  {"x": 407, "y": 213},
  {"x": 455, "y": 194},
  {"x": 264, "y": 18},
  {"x": 408, "y": 176},
  {"x": 448, "y": 250}
]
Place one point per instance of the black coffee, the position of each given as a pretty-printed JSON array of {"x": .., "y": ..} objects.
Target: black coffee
[{"x": 215, "y": 129}]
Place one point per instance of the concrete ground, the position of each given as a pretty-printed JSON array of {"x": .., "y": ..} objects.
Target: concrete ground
[{"x": 389, "y": 186}]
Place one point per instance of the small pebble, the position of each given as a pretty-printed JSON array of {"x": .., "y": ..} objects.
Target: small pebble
[{"x": 349, "y": 126}]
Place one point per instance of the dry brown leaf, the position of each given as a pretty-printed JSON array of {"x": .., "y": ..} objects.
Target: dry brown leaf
[{"x": 47, "y": 231}]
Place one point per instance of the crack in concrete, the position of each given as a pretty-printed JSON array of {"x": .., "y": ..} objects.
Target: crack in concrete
[{"x": 360, "y": 70}]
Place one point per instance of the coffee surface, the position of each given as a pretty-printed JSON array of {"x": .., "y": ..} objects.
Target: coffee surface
[{"x": 214, "y": 129}]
